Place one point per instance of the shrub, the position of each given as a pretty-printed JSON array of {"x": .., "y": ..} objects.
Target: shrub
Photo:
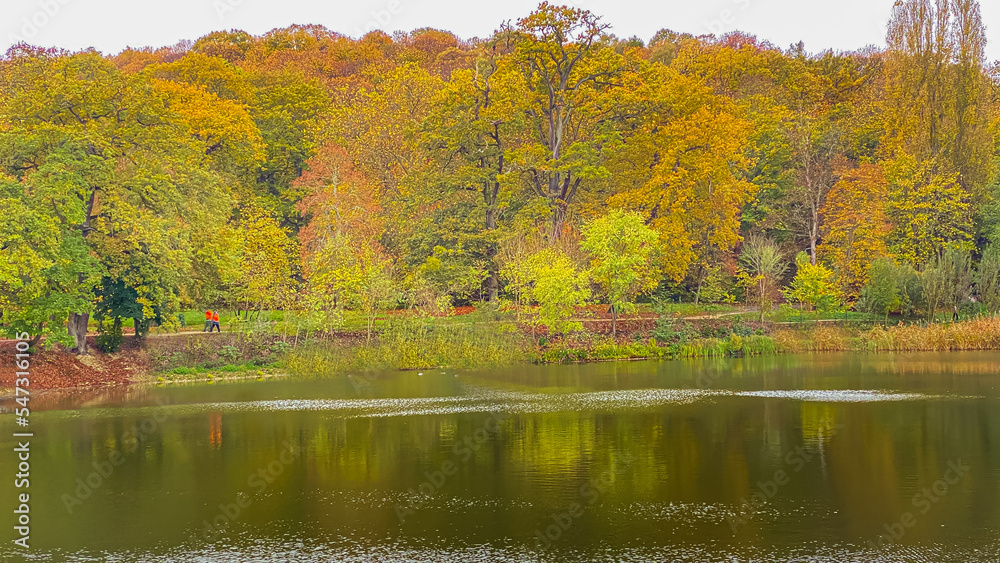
[
  {"x": 891, "y": 288},
  {"x": 814, "y": 286},
  {"x": 671, "y": 331},
  {"x": 109, "y": 336},
  {"x": 230, "y": 353}
]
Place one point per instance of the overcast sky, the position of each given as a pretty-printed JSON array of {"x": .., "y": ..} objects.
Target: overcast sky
[{"x": 111, "y": 25}]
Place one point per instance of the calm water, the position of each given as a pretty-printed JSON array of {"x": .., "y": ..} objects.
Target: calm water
[{"x": 797, "y": 458}]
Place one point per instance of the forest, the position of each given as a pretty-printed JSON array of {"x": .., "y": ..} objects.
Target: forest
[{"x": 549, "y": 166}]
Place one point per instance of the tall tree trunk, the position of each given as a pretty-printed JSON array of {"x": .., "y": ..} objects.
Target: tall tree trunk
[
  {"x": 701, "y": 280},
  {"x": 77, "y": 328},
  {"x": 558, "y": 219},
  {"x": 614, "y": 322},
  {"x": 493, "y": 282}
]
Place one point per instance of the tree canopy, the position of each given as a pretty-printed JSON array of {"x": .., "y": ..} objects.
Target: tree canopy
[{"x": 305, "y": 169}]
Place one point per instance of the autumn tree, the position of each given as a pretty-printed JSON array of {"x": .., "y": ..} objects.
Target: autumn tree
[
  {"x": 345, "y": 264},
  {"x": 928, "y": 210},
  {"x": 375, "y": 125},
  {"x": 622, "y": 250},
  {"x": 681, "y": 168},
  {"x": 937, "y": 88},
  {"x": 815, "y": 146},
  {"x": 133, "y": 187},
  {"x": 855, "y": 225},
  {"x": 571, "y": 75},
  {"x": 267, "y": 255},
  {"x": 473, "y": 131}
]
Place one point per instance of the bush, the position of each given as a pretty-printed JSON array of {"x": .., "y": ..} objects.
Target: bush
[
  {"x": 230, "y": 353},
  {"x": 891, "y": 288},
  {"x": 670, "y": 331},
  {"x": 109, "y": 336},
  {"x": 814, "y": 286}
]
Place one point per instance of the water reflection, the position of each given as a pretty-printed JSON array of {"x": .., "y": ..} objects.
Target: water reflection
[
  {"x": 215, "y": 429},
  {"x": 823, "y": 475}
]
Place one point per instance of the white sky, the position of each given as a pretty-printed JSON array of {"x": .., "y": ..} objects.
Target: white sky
[{"x": 111, "y": 25}]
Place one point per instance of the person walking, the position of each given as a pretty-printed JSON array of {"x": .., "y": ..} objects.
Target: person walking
[
  {"x": 215, "y": 322},
  {"x": 208, "y": 321}
]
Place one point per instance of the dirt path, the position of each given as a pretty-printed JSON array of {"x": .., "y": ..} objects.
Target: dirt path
[{"x": 720, "y": 315}]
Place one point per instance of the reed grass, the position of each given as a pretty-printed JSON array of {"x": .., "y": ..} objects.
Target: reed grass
[
  {"x": 977, "y": 334},
  {"x": 423, "y": 344},
  {"x": 413, "y": 344}
]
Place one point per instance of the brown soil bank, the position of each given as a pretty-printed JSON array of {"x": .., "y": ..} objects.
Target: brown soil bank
[{"x": 56, "y": 370}]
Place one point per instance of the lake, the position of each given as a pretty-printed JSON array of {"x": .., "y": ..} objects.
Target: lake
[{"x": 826, "y": 457}]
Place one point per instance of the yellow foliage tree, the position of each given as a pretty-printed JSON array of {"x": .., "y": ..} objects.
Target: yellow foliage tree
[
  {"x": 855, "y": 225},
  {"x": 681, "y": 169}
]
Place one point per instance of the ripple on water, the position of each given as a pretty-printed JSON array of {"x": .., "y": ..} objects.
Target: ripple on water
[
  {"x": 519, "y": 402},
  {"x": 485, "y": 400},
  {"x": 350, "y": 549}
]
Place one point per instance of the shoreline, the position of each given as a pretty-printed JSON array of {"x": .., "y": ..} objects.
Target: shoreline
[{"x": 240, "y": 358}]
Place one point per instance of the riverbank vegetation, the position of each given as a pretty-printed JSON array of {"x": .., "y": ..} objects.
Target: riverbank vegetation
[
  {"x": 428, "y": 343},
  {"x": 341, "y": 198}
]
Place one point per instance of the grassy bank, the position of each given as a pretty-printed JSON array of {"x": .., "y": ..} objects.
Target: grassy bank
[{"x": 490, "y": 340}]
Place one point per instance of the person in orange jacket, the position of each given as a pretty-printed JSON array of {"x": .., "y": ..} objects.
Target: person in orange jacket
[
  {"x": 215, "y": 321},
  {"x": 208, "y": 321}
]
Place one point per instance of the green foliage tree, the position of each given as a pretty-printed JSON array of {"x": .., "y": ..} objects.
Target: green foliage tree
[
  {"x": 450, "y": 276},
  {"x": 987, "y": 278},
  {"x": 881, "y": 294},
  {"x": 46, "y": 269},
  {"x": 550, "y": 279},
  {"x": 622, "y": 250},
  {"x": 473, "y": 131},
  {"x": 814, "y": 285},
  {"x": 947, "y": 280},
  {"x": 131, "y": 189},
  {"x": 894, "y": 288}
]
